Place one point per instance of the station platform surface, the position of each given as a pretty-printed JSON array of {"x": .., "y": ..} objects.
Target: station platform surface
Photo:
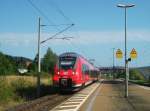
[{"x": 110, "y": 97}]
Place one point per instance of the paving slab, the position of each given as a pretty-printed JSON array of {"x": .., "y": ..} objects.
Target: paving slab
[{"x": 110, "y": 97}]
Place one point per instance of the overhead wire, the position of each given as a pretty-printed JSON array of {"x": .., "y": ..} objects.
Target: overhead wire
[
  {"x": 60, "y": 11},
  {"x": 67, "y": 18},
  {"x": 50, "y": 21},
  {"x": 57, "y": 34},
  {"x": 43, "y": 14},
  {"x": 37, "y": 9}
]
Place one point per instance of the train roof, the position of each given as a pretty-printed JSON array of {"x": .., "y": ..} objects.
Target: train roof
[{"x": 73, "y": 54}]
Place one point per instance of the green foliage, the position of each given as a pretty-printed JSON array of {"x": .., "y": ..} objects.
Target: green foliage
[
  {"x": 135, "y": 75},
  {"x": 20, "y": 83},
  {"x": 33, "y": 66},
  {"x": 120, "y": 75},
  {"x": 49, "y": 61},
  {"x": 6, "y": 91},
  {"x": 22, "y": 88},
  {"x": 18, "y": 89},
  {"x": 15, "y": 90},
  {"x": 9, "y": 64},
  {"x": 21, "y": 65},
  {"x": 6, "y": 65}
]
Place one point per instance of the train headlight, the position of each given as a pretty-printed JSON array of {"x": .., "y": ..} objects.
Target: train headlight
[
  {"x": 73, "y": 73},
  {"x": 58, "y": 72},
  {"x": 77, "y": 73}
]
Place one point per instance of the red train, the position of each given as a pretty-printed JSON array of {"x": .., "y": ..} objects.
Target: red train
[{"x": 72, "y": 71}]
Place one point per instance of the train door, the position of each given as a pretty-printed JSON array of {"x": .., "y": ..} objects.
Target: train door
[
  {"x": 83, "y": 73},
  {"x": 87, "y": 73}
]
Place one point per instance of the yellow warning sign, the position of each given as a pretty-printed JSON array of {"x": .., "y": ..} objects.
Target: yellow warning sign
[
  {"x": 133, "y": 54},
  {"x": 119, "y": 54}
]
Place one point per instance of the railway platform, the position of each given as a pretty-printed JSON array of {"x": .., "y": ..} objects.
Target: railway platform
[{"x": 109, "y": 96}]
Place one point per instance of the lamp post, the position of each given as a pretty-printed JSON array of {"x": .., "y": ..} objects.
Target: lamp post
[{"x": 125, "y": 6}]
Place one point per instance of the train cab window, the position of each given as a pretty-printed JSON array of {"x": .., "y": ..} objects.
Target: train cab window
[{"x": 66, "y": 63}]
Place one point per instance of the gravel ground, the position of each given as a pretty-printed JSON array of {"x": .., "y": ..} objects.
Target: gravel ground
[{"x": 42, "y": 104}]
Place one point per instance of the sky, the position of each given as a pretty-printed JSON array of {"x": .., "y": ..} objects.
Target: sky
[{"x": 99, "y": 27}]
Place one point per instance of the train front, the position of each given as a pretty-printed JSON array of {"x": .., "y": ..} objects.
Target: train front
[{"x": 66, "y": 74}]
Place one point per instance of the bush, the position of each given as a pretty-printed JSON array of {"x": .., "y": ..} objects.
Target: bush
[
  {"x": 16, "y": 90},
  {"x": 7, "y": 66},
  {"x": 135, "y": 75},
  {"x": 20, "y": 83},
  {"x": 6, "y": 91},
  {"x": 120, "y": 75},
  {"x": 23, "y": 88}
]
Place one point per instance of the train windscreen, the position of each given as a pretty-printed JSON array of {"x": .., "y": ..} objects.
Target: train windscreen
[{"x": 66, "y": 63}]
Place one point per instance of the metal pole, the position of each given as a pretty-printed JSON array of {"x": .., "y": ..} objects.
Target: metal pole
[
  {"x": 39, "y": 64},
  {"x": 126, "y": 61}
]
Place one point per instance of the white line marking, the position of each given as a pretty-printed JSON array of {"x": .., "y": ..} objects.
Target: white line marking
[
  {"x": 77, "y": 99},
  {"x": 67, "y": 106},
  {"x": 80, "y": 95},
  {"x": 64, "y": 110},
  {"x": 92, "y": 90},
  {"x": 144, "y": 87},
  {"x": 73, "y": 102}
]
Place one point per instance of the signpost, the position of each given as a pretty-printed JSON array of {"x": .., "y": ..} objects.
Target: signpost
[
  {"x": 119, "y": 54},
  {"x": 133, "y": 54}
]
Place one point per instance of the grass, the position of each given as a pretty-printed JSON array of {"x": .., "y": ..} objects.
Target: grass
[
  {"x": 141, "y": 82},
  {"x": 18, "y": 89}
]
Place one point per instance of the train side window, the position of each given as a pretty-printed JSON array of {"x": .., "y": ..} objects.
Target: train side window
[
  {"x": 83, "y": 69},
  {"x": 87, "y": 69}
]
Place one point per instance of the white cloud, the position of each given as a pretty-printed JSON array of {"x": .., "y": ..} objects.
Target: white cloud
[
  {"x": 112, "y": 36},
  {"x": 17, "y": 39},
  {"x": 83, "y": 37}
]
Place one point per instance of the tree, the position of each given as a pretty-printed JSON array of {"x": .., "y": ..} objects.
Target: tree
[
  {"x": 136, "y": 75},
  {"x": 49, "y": 60},
  {"x": 6, "y": 66},
  {"x": 33, "y": 66}
]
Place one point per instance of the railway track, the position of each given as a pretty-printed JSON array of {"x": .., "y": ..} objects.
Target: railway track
[
  {"x": 57, "y": 101},
  {"x": 41, "y": 104}
]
